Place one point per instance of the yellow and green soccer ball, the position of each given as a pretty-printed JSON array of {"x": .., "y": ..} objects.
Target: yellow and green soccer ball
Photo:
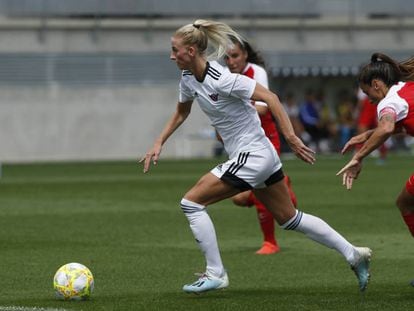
[{"x": 73, "y": 281}]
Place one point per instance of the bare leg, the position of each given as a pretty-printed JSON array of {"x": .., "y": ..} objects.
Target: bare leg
[
  {"x": 276, "y": 199},
  {"x": 208, "y": 189}
]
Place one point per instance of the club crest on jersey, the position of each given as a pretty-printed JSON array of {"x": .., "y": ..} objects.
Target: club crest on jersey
[{"x": 214, "y": 97}]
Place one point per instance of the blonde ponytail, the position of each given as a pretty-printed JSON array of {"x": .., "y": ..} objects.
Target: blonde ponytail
[{"x": 206, "y": 34}]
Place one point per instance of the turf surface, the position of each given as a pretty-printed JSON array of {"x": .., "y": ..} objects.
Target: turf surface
[{"x": 128, "y": 228}]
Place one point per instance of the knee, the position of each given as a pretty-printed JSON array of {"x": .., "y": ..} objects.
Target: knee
[
  {"x": 239, "y": 201},
  {"x": 405, "y": 202},
  {"x": 402, "y": 204},
  {"x": 243, "y": 199},
  {"x": 189, "y": 207},
  {"x": 292, "y": 221}
]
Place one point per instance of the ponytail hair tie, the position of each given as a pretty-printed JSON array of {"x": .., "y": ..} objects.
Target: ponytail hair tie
[
  {"x": 196, "y": 26},
  {"x": 376, "y": 59}
]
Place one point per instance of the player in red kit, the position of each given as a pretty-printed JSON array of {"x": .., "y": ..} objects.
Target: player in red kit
[
  {"x": 245, "y": 60},
  {"x": 389, "y": 85}
]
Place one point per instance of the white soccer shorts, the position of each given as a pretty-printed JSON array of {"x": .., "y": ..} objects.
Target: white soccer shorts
[{"x": 248, "y": 170}]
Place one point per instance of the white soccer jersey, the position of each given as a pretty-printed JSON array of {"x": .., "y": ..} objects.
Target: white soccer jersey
[
  {"x": 258, "y": 74},
  {"x": 394, "y": 102},
  {"x": 225, "y": 99}
]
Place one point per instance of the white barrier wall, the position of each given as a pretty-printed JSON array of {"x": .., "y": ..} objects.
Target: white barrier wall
[
  {"x": 65, "y": 122},
  {"x": 55, "y": 123}
]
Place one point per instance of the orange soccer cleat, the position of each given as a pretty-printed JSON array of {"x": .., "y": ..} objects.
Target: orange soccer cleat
[{"x": 268, "y": 249}]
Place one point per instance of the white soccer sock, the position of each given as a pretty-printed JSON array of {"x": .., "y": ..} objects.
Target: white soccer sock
[
  {"x": 319, "y": 231},
  {"x": 204, "y": 234}
]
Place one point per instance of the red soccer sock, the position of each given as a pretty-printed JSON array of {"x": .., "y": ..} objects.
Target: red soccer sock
[
  {"x": 409, "y": 220},
  {"x": 267, "y": 223}
]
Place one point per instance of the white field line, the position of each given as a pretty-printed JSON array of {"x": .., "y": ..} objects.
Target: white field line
[{"x": 17, "y": 308}]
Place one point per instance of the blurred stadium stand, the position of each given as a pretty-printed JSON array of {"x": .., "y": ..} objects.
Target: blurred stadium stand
[
  {"x": 85, "y": 68},
  {"x": 213, "y": 8},
  {"x": 89, "y": 56},
  {"x": 299, "y": 18}
]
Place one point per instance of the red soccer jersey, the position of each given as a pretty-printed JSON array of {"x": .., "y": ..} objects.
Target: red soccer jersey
[
  {"x": 400, "y": 101},
  {"x": 267, "y": 121},
  {"x": 368, "y": 114},
  {"x": 407, "y": 93}
]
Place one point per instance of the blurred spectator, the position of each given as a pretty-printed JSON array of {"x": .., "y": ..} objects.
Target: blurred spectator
[
  {"x": 346, "y": 118},
  {"x": 311, "y": 119},
  {"x": 327, "y": 124},
  {"x": 292, "y": 109}
]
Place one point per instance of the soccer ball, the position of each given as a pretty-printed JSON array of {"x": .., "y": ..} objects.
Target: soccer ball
[{"x": 73, "y": 281}]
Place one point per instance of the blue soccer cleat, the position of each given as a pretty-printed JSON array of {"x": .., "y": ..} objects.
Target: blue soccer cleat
[
  {"x": 207, "y": 282},
  {"x": 361, "y": 267}
]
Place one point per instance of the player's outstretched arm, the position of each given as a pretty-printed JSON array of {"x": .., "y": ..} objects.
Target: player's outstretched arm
[
  {"x": 295, "y": 143},
  {"x": 152, "y": 155},
  {"x": 356, "y": 140},
  {"x": 373, "y": 139}
]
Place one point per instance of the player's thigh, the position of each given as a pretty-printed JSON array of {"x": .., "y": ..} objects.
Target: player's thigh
[
  {"x": 277, "y": 200},
  {"x": 210, "y": 189}
]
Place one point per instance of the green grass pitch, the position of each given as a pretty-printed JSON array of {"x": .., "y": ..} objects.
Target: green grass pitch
[{"x": 128, "y": 228}]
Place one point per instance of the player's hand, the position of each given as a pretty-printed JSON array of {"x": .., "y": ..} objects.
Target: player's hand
[
  {"x": 151, "y": 155},
  {"x": 350, "y": 172},
  {"x": 303, "y": 152},
  {"x": 356, "y": 140}
]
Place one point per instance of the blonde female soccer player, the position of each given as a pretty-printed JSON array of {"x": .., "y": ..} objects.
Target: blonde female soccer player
[{"x": 253, "y": 165}]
